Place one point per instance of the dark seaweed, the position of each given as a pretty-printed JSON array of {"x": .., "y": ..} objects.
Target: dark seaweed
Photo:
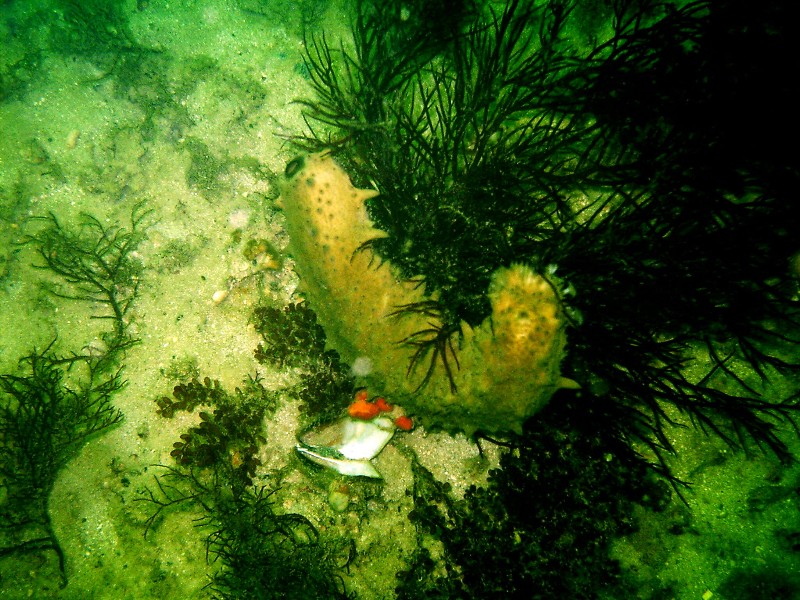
[
  {"x": 229, "y": 434},
  {"x": 263, "y": 553},
  {"x": 542, "y": 526},
  {"x": 54, "y": 403},
  {"x": 621, "y": 147},
  {"x": 681, "y": 246},
  {"x": 187, "y": 396},
  {"x": 292, "y": 337},
  {"x": 95, "y": 264},
  {"x": 44, "y": 422}
]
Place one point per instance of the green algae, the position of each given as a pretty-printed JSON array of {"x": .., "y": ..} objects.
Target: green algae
[
  {"x": 279, "y": 554},
  {"x": 56, "y": 401},
  {"x": 292, "y": 337},
  {"x": 678, "y": 552}
]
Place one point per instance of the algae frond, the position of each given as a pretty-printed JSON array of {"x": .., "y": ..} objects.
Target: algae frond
[
  {"x": 54, "y": 402},
  {"x": 257, "y": 547},
  {"x": 603, "y": 154}
]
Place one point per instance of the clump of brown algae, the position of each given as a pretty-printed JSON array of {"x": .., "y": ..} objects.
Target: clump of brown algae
[{"x": 503, "y": 371}]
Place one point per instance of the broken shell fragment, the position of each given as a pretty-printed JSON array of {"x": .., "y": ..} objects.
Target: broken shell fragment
[
  {"x": 351, "y": 468},
  {"x": 347, "y": 445}
]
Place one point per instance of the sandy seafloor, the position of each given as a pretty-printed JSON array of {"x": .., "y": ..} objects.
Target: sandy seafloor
[{"x": 196, "y": 132}]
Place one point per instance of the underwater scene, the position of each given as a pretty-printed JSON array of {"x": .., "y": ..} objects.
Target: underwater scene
[{"x": 409, "y": 299}]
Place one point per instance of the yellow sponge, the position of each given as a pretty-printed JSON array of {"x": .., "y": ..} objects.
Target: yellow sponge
[{"x": 497, "y": 374}]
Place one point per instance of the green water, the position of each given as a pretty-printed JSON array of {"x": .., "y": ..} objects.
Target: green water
[{"x": 185, "y": 108}]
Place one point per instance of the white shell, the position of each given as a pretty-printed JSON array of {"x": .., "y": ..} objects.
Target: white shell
[
  {"x": 347, "y": 445},
  {"x": 351, "y": 468}
]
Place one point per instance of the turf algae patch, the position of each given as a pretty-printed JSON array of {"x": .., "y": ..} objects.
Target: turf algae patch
[{"x": 489, "y": 378}]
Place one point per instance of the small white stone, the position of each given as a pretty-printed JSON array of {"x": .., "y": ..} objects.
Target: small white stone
[
  {"x": 239, "y": 218},
  {"x": 362, "y": 366}
]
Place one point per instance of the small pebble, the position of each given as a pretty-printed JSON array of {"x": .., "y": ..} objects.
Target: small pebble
[{"x": 338, "y": 497}]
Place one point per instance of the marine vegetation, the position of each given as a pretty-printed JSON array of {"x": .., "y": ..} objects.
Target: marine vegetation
[
  {"x": 44, "y": 422},
  {"x": 291, "y": 337},
  {"x": 614, "y": 160},
  {"x": 615, "y": 146},
  {"x": 95, "y": 264},
  {"x": 261, "y": 552},
  {"x": 543, "y": 522},
  {"x": 58, "y": 399}
]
